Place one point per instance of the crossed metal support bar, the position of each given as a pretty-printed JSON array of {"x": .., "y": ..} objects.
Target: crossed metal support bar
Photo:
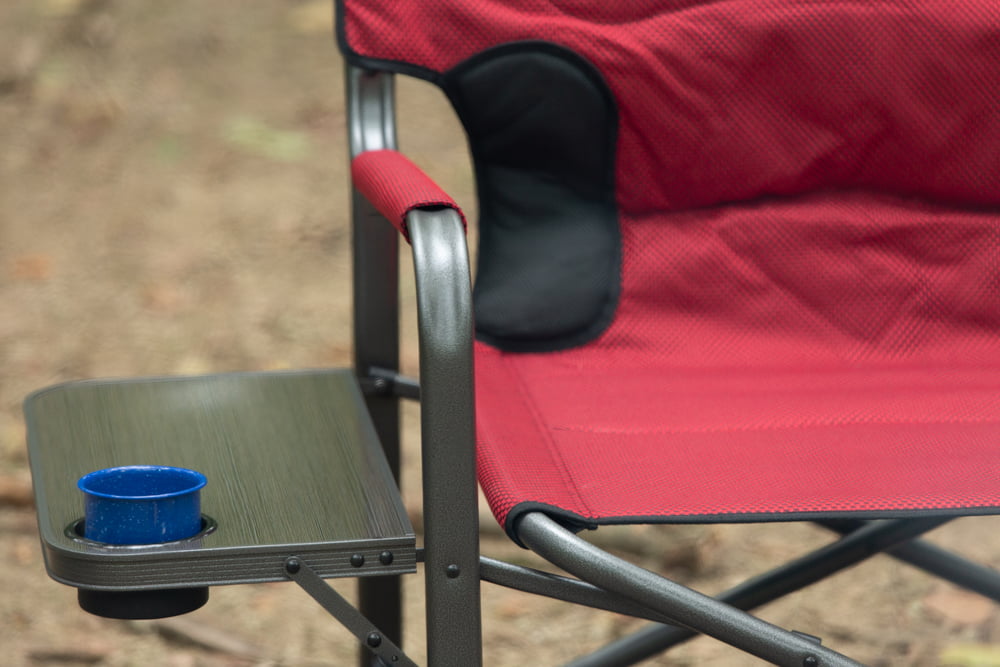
[
  {"x": 862, "y": 540},
  {"x": 688, "y": 608},
  {"x": 935, "y": 560},
  {"x": 383, "y": 648},
  {"x": 721, "y": 618},
  {"x": 895, "y": 538},
  {"x": 562, "y": 588}
]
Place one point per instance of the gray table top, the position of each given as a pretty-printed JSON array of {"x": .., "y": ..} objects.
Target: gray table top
[{"x": 293, "y": 464}]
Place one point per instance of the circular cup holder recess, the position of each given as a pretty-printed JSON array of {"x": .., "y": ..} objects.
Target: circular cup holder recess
[
  {"x": 142, "y": 604},
  {"x": 74, "y": 531}
]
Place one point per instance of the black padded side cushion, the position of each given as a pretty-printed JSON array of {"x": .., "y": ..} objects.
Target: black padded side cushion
[{"x": 542, "y": 127}]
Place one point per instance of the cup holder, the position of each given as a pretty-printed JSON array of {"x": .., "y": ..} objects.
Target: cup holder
[
  {"x": 75, "y": 531},
  {"x": 143, "y": 604}
]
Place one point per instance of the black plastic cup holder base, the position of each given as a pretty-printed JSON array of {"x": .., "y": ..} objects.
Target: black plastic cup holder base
[{"x": 142, "y": 605}]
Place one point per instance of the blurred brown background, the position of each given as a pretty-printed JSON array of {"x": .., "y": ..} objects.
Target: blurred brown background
[{"x": 173, "y": 201}]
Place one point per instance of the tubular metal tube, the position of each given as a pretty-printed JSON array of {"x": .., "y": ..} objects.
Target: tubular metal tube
[
  {"x": 874, "y": 538},
  {"x": 551, "y": 585},
  {"x": 371, "y": 125},
  {"x": 695, "y": 610},
  {"x": 451, "y": 518},
  {"x": 371, "y": 115},
  {"x": 937, "y": 561}
]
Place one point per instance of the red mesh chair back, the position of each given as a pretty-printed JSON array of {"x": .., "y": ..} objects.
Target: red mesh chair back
[{"x": 755, "y": 239}]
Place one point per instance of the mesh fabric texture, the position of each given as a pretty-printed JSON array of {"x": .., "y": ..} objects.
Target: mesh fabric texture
[
  {"x": 395, "y": 186},
  {"x": 808, "y": 317}
]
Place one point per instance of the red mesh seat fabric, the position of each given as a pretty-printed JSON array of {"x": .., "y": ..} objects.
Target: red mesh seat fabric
[
  {"x": 784, "y": 398},
  {"x": 807, "y": 323}
]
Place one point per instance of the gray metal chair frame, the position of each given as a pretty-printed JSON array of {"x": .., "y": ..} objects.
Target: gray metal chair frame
[{"x": 453, "y": 567}]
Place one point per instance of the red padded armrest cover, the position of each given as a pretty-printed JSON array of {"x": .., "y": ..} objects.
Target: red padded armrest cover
[{"x": 395, "y": 186}]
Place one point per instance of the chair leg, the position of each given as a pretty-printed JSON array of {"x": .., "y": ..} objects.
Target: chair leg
[
  {"x": 376, "y": 318},
  {"x": 701, "y": 613},
  {"x": 873, "y": 538},
  {"x": 380, "y": 598},
  {"x": 937, "y": 561}
]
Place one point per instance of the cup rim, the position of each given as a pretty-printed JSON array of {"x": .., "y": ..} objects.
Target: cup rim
[{"x": 197, "y": 481}]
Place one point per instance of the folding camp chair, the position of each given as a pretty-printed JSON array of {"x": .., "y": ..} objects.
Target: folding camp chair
[{"x": 737, "y": 263}]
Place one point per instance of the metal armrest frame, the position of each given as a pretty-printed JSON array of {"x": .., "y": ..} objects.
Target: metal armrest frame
[
  {"x": 451, "y": 517},
  {"x": 441, "y": 266}
]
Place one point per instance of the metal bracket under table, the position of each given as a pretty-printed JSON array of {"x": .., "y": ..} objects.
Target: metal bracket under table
[{"x": 293, "y": 464}]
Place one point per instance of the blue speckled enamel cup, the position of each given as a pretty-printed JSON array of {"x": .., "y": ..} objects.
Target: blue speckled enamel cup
[{"x": 141, "y": 504}]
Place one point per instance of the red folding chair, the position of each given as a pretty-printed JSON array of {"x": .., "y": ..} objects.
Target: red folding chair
[{"x": 738, "y": 262}]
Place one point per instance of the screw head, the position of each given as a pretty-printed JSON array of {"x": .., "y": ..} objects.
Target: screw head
[
  {"x": 357, "y": 560},
  {"x": 452, "y": 571},
  {"x": 374, "y": 640},
  {"x": 386, "y": 558},
  {"x": 293, "y": 565}
]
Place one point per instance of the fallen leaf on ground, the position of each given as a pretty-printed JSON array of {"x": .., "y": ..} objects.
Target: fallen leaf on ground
[{"x": 32, "y": 268}]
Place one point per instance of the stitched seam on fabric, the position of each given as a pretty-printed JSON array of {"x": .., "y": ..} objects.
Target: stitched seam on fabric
[
  {"x": 788, "y": 427},
  {"x": 522, "y": 390},
  {"x": 773, "y": 516},
  {"x": 362, "y": 61}
]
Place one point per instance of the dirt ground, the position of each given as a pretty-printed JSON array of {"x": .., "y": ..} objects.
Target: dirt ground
[{"x": 172, "y": 201}]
